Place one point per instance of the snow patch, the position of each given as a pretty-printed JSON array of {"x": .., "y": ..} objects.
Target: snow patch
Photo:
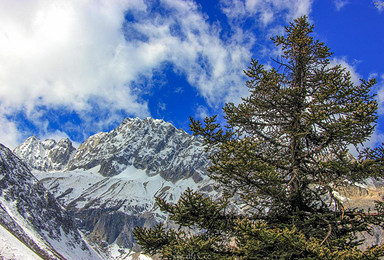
[{"x": 12, "y": 248}]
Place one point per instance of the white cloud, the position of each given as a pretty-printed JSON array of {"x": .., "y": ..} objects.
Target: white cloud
[
  {"x": 380, "y": 92},
  {"x": 266, "y": 11},
  {"x": 82, "y": 56},
  {"x": 340, "y": 4},
  {"x": 63, "y": 53},
  {"x": 355, "y": 76},
  {"x": 9, "y": 135},
  {"x": 201, "y": 112},
  {"x": 379, "y": 4},
  {"x": 66, "y": 52},
  {"x": 161, "y": 106},
  {"x": 195, "y": 49},
  {"x": 376, "y": 139}
]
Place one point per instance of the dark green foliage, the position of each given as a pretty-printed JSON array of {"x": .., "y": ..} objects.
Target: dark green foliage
[
  {"x": 195, "y": 211},
  {"x": 283, "y": 154}
]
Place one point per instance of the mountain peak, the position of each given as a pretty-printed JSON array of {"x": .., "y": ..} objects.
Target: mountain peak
[
  {"x": 149, "y": 121},
  {"x": 114, "y": 176},
  {"x": 147, "y": 144},
  {"x": 47, "y": 155}
]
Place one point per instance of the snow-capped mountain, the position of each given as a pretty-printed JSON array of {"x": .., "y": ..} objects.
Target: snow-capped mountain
[
  {"x": 31, "y": 214},
  {"x": 48, "y": 155},
  {"x": 109, "y": 183},
  {"x": 151, "y": 145}
]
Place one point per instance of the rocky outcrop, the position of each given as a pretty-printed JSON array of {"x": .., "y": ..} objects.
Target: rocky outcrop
[
  {"x": 107, "y": 209},
  {"x": 33, "y": 215},
  {"x": 109, "y": 182},
  {"x": 151, "y": 145},
  {"x": 363, "y": 196},
  {"x": 112, "y": 227},
  {"x": 48, "y": 155}
]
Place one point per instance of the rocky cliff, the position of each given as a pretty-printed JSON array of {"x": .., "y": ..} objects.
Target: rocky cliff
[
  {"x": 33, "y": 216},
  {"x": 151, "y": 145},
  {"x": 48, "y": 155},
  {"x": 109, "y": 182}
]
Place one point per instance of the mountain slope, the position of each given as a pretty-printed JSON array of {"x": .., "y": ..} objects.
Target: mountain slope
[
  {"x": 110, "y": 181},
  {"x": 33, "y": 216},
  {"x": 12, "y": 248},
  {"x": 149, "y": 144},
  {"x": 48, "y": 155}
]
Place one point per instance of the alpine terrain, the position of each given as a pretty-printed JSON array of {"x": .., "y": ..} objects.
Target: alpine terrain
[
  {"x": 107, "y": 185},
  {"x": 33, "y": 225},
  {"x": 109, "y": 182}
]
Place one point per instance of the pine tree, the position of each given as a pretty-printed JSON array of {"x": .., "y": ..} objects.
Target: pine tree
[{"x": 279, "y": 161}]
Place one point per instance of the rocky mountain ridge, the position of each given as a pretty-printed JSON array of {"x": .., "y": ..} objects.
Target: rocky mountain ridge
[
  {"x": 48, "y": 155},
  {"x": 32, "y": 215},
  {"x": 109, "y": 182},
  {"x": 149, "y": 144}
]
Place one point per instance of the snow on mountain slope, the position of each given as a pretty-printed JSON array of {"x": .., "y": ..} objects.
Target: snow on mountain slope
[
  {"x": 130, "y": 189},
  {"x": 12, "y": 248},
  {"x": 47, "y": 155},
  {"x": 32, "y": 214},
  {"x": 109, "y": 208},
  {"x": 109, "y": 183},
  {"x": 149, "y": 144}
]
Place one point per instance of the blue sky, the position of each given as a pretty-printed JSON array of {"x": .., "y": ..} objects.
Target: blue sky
[{"x": 72, "y": 68}]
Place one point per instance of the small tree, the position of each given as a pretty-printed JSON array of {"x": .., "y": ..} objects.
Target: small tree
[{"x": 281, "y": 158}]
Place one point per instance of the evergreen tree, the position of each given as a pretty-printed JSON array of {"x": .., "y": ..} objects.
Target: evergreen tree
[{"x": 279, "y": 162}]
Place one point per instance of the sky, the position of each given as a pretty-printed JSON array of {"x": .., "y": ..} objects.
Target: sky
[{"x": 73, "y": 68}]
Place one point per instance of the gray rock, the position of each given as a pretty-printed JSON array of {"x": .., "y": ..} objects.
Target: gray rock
[
  {"x": 25, "y": 204},
  {"x": 107, "y": 206},
  {"x": 47, "y": 155},
  {"x": 149, "y": 144}
]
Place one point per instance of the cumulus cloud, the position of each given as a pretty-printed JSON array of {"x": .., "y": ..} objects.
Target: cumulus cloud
[
  {"x": 9, "y": 134},
  {"x": 65, "y": 52},
  {"x": 266, "y": 11},
  {"x": 193, "y": 46},
  {"x": 95, "y": 59}
]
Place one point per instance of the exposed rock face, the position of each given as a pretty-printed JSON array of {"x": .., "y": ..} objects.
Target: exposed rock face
[
  {"x": 47, "y": 155},
  {"x": 33, "y": 215},
  {"x": 114, "y": 227},
  {"x": 152, "y": 145},
  {"x": 363, "y": 196},
  {"x": 109, "y": 183},
  {"x": 109, "y": 208}
]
